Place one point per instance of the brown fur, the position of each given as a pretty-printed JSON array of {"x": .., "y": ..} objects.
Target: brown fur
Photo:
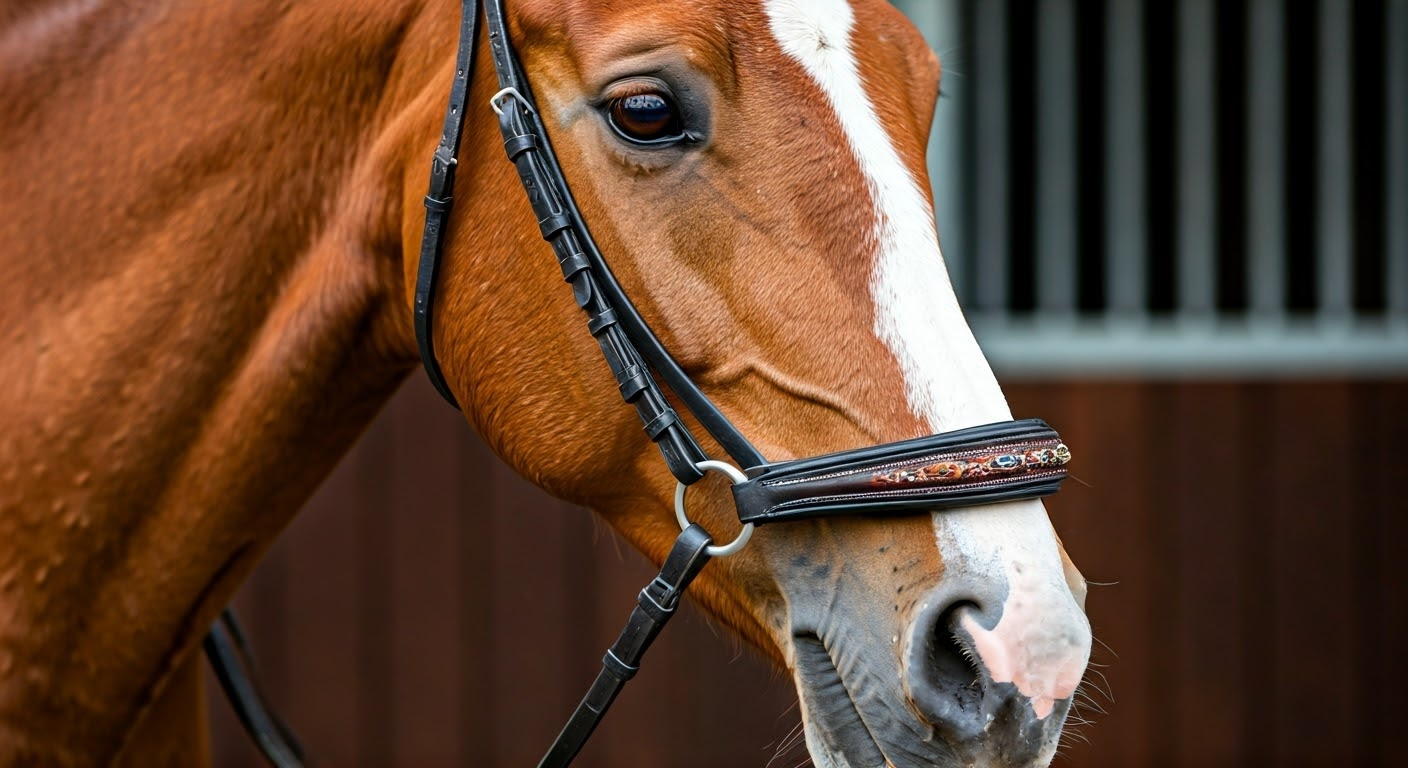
[{"x": 209, "y": 232}]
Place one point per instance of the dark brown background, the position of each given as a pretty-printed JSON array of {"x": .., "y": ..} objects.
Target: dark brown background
[{"x": 430, "y": 608}]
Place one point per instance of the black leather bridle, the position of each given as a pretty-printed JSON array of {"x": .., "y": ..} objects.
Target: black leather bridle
[{"x": 981, "y": 465}]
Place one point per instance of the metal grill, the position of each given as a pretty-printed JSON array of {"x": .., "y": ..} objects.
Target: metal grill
[{"x": 1189, "y": 187}]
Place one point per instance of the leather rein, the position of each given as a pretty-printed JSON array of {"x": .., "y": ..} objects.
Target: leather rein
[{"x": 981, "y": 465}]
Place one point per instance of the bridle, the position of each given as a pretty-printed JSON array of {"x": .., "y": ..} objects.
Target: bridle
[{"x": 980, "y": 465}]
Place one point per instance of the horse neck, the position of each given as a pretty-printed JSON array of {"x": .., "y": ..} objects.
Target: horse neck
[{"x": 201, "y": 305}]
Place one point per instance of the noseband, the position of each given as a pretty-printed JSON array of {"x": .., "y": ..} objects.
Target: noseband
[{"x": 982, "y": 465}]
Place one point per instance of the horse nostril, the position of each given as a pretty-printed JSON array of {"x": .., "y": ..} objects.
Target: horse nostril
[
  {"x": 989, "y": 667},
  {"x": 945, "y": 683},
  {"x": 946, "y": 656}
]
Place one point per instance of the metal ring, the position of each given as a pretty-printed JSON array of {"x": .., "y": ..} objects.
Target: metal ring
[
  {"x": 736, "y": 476},
  {"x": 496, "y": 98}
]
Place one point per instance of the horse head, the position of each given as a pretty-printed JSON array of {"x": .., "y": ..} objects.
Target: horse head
[
  {"x": 754, "y": 172},
  {"x": 207, "y": 281}
]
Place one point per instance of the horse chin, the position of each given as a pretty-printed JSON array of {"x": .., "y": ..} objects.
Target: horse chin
[
  {"x": 841, "y": 733},
  {"x": 836, "y": 733},
  {"x": 840, "y": 739},
  {"x": 883, "y": 731},
  {"x": 824, "y": 757}
]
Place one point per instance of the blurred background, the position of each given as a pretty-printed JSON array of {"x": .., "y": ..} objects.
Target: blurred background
[{"x": 1180, "y": 230}]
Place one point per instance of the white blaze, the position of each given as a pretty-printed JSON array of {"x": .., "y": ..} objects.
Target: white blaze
[
  {"x": 947, "y": 379},
  {"x": 948, "y": 382}
]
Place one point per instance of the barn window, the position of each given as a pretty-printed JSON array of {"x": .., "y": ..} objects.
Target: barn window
[{"x": 1175, "y": 188}]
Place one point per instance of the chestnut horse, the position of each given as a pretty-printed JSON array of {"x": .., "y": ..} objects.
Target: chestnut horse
[{"x": 210, "y": 225}]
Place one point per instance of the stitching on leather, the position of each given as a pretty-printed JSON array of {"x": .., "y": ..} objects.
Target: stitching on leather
[
  {"x": 944, "y": 490},
  {"x": 972, "y": 452}
]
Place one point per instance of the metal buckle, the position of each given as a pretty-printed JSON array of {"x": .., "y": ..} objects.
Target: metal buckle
[
  {"x": 736, "y": 476},
  {"x": 496, "y": 98}
]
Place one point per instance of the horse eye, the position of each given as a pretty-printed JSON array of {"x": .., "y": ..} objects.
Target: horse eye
[{"x": 646, "y": 118}]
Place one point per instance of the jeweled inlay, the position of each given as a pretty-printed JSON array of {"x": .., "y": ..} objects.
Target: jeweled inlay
[{"x": 1018, "y": 460}]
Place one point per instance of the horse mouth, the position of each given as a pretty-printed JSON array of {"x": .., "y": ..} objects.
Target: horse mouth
[{"x": 832, "y": 715}]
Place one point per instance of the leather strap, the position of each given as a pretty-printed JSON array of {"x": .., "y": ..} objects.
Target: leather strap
[
  {"x": 229, "y": 658},
  {"x": 553, "y": 183},
  {"x": 655, "y": 606},
  {"x": 440, "y": 199},
  {"x": 1006, "y": 461},
  {"x": 631, "y": 349},
  {"x": 527, "y": 146}
]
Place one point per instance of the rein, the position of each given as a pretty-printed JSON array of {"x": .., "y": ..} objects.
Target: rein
[{"x": 980, "y": 465}]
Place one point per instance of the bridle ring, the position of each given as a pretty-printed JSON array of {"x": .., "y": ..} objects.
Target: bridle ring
[{"x": 735, "y": 475}]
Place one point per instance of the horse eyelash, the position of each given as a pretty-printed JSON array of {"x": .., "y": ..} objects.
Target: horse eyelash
[{"x": 631, "y": 88}]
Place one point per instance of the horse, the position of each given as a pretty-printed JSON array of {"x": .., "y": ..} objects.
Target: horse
[{"x": 210, "y": 229}]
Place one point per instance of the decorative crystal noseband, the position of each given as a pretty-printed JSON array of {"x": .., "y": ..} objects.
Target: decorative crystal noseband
[{"x": 981, "y": 465}]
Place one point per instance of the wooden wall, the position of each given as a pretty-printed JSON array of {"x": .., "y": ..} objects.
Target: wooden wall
[{"x": 429, "y": 608}]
